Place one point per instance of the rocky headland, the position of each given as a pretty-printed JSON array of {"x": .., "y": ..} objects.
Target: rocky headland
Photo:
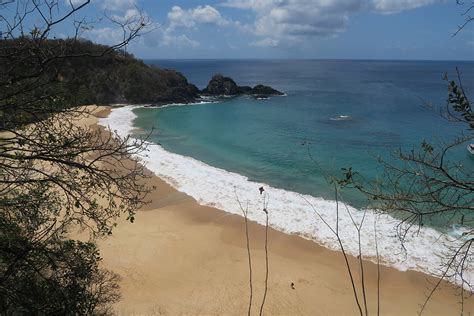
[
  {"x": 226, "y": 86},
  {"x": 120, "y": 78}
]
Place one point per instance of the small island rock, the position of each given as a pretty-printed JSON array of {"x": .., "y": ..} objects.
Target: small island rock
[
  {"x": 265, "y": 91},
  {"x": 225, "y": 86},
  {"x": 220, "y": 85}
]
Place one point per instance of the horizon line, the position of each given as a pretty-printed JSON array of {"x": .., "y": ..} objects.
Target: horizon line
[{"x": 309, "y": 59}]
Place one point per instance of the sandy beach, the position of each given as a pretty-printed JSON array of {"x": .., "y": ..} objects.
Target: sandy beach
[{"x": 179, "y": 257}]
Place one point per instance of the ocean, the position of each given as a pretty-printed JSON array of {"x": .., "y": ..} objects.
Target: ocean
[{"x": 335, "y": 114}]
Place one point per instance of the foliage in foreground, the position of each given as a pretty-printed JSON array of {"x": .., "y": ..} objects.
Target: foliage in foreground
[
  {"x": 52, "y": 275},
  {"x": 55, "y": 174}
]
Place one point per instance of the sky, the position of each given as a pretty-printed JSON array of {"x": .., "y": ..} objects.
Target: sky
[{"x": 320, "y": 29}]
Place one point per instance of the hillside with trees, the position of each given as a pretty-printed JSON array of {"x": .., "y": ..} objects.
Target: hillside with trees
[{"x": 115, "y": 77}]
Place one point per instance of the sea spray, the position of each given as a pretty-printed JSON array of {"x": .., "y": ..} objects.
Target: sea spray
[{"x": 294, "y": 213}]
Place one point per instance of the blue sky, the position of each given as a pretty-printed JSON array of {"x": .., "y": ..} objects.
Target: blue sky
[{"x": 343, "y": 29}]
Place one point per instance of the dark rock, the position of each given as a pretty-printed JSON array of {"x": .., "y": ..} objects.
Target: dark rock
[
  {"x": 265, "y": 91},
  {"x": 225, "y": 86},
  {"x": 245, "y": 90},
  {"x": 220, "y": 85}
]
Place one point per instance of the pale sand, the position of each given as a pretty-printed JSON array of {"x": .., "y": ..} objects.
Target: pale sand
[{"x": 183, "y": 258}]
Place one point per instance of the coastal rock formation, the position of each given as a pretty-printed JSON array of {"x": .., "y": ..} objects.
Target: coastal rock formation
[
  {"x": 149, "y": 84},
  {"x": 116, "y": 77},
  {"x": 119, "y": 77},
  {"x": 262, "y": 90},
  {"x": 225, "y": 86},
  {"x": 220, "y": 85}
]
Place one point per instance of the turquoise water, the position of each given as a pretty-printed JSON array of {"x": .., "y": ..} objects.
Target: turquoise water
[{"x": 292, "y": 142}]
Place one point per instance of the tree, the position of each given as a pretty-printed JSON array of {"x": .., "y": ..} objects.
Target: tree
[{"x": 54, "y": 173}]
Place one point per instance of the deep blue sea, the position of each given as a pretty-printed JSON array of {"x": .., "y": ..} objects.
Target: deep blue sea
[{"x": 336, "y": 114}]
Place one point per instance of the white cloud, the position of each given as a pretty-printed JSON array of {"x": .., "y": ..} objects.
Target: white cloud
[
  {"x": 156, "y": 37},
  {"x": 396, "y": 6},
  {"x": 209, "y": 15},
  {"x": 190, "y": 18},
  {"x": 154, "y": 34},
  {"x": 112, "y": 5},
  {"x": 178, "y": 41},
  {"x": 292, "y": 20},
  {"x": 129, "y": 15},
  {"x": 105, "y": 35},
  {"x": 160, "y": 37},
  {"x": 118, "y": 5},
  {"x": 179, "y": 18},
  {"x": 249, "y": 4},
  {"x": 266, "y": 42}
]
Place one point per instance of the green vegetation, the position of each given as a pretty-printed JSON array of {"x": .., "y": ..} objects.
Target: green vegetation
[
  {"x": 120, "y": 78},
  {"x": 57, "y": 176},
  {"x": 85, "y": 73}
]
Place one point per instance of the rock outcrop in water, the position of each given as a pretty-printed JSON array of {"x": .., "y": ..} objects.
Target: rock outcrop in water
[
  {"x": 225, "y": 86},
  {"x": 220, "y": 85}
]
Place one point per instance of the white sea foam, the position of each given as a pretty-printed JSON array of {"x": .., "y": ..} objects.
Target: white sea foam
[
  {"x": 291, "y": 212},
  {"x": 341, "y": 118},
  {"x": 204, "y": 101}
]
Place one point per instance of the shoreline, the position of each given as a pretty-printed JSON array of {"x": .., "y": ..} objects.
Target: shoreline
[
  {"x": 308, "y": 216},
  {"x": 180, "y": 256}
]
